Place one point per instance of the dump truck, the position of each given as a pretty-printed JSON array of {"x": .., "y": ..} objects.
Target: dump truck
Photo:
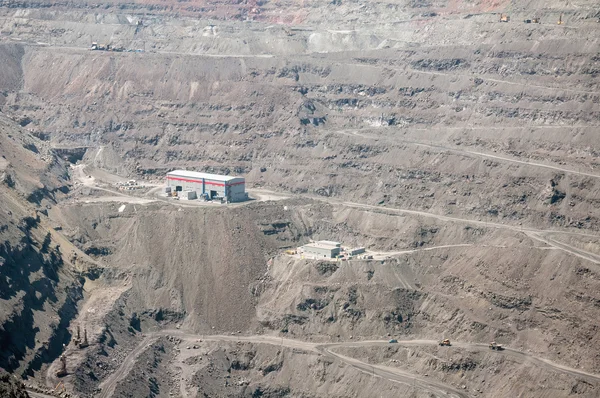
[
  {"x": 445, "y": 342},
  {"x": 495, "y": 346},
  {"x": 504, "y": 18},
  {"x": 393, "y": 341}
]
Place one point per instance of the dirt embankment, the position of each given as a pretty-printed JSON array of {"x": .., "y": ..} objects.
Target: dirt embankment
[{"x": 11, "y": 73}]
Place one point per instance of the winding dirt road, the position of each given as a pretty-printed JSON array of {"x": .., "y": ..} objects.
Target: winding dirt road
[
  {"x": 517, "y": 355},
  {"x": 537, "y": 234},
  {"x": 467, "y": 152},
  {"x": 395, "y": 375}
]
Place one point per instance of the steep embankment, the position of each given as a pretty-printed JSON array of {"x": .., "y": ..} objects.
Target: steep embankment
[
  {"x": 38, "y": 289},
  {"x": 188, "y": 266},
  {"x": 198, "y": 262},
  {"x": 11, "y": 74}
]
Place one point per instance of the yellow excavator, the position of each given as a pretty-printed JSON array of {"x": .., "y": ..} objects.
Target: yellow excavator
[{"x": 60, "y": 387}]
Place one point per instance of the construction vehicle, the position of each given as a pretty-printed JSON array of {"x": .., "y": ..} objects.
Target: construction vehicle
[
  {"x": 445, "y": 342},
  {"x": 62, "y": 371},
  {"x": 560, "y": 20},
  {"x": 60, "y": 387},
  {"x": 534, "y": 20},
  {"x": 77, "y": 338},
  {"x": 392, "y": 341},
  {"x": 290, "y": 252},
  {"x": 504, "y": 18},
  {"x": 85, "y": 342},
  {"x": 78, "y": 341},
  {"x": 495, "y": 346}
]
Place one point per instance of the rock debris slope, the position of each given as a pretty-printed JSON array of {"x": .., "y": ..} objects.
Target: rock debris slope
[{"x": 462, "y": 149}]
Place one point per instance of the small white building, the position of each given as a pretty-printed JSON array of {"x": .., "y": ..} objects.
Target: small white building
[{"x": 355, "y": 251}]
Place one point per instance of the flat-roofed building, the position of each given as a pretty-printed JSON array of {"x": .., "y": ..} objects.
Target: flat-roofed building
[
  {"x": 356, "y": 250},
  {"x": 209, "y": 185},
  {"x": 322, "y": 250}
]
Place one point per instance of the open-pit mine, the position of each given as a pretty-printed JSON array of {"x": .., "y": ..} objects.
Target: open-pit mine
[{"x": 299, "y": 198}]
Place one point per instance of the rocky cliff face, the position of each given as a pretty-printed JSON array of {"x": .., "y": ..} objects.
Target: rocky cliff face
[
  {"x": 10, "y": 387},
  {"x": 39, "y": 290}
]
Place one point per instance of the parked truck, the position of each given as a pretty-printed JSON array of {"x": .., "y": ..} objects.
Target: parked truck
[{"x": 495, "y": 346}]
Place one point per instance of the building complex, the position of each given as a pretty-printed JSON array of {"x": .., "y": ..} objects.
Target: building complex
[{"x": 207, "y": 186}]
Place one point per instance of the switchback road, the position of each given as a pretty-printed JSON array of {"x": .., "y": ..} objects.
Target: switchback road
[{"x": 392, "y": 374}]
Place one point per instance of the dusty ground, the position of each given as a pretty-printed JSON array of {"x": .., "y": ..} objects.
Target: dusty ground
[{"x": 461, "y": 150}]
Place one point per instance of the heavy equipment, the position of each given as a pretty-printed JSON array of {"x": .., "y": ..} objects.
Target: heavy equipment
[
  {"x": 85, "y": 342},
  {"x": 290, "y": 252},
  {"x": 62, "y": 371},
  {"x": 78, "y": 341},
  {"x": 495, "y": 346},
  {"x": 77, "y": 338},
  {"x": 504, "y": 18},
  {"x": 392, "y": 341},
  {"x": 445, "y": 342},
  {"x": 560, "y": 21}
]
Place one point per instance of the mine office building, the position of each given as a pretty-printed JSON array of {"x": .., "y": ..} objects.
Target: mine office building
[
  {"x": 210, "y": 186},
  {"x": 322, "y": 249}
]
